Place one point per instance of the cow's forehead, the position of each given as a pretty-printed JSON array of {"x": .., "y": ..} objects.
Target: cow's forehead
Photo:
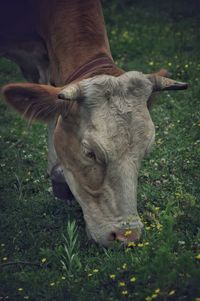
[
  {"x": 115, "y": 125},
  {"x": 112, "y": 104},
  {"x": 123, "y": 91},
  {"x": 113, "y": 110}
]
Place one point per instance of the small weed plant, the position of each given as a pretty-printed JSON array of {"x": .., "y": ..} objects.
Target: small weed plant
[{"x": 71, "y": 262}]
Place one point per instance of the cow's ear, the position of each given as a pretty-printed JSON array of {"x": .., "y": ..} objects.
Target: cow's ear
[
  {"x": 162, "y": 82},
  {"x": 34, "y": 101}
]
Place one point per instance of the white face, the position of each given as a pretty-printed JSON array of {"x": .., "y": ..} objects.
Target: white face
[{"x": 101, "y": 148}]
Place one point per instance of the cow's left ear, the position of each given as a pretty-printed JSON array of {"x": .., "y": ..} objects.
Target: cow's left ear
[{"x": 34, "y": 101}]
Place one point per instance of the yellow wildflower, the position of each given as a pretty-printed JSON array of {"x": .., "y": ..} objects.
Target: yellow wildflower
[
  {"x": 20, "y": 289},
  {"x": 147, "y": 228},
  {"x": 95, "y": 271},
  {"x": 43, "y": 260},
  {"x": 159, "y": 226},
  {"x": 5, "y": 258},
  {"x": 197, "y": 299},
  {"x": 140, "y": 245},
  {"x": 171, "y": 292},
  {"x": 151, "y": 63},
  {"x": 157, "y": 291},
  {"x": 131, "y": 244},
  {"x": 159, "y": 141},
  {"x": 133, "y": 279},
  {"x": 26, "y": 297},
  {"x": 112, "y": 276},
  {"x": 148, "y": 298},
  {"x": 90, "y": 274},
  {"x": 124, "y": 292},
  {"x": 146, "y": 243},
  {"x": 124, "y": 266},
  {"x": 128, "y": 233},
  {"x": 169, "y": 64},
  {"x": 198, "y": 256},
  {"x": 125, "y": 34},
  {"x": 154, "y": 296},
  {"x": 157, "y": 208},
  {"x": 63, "y": 277},
  {"x": 52, "y": 284},
  {"x": 122, "y": 283}
]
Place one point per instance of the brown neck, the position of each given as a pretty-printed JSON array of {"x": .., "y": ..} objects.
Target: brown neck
[
  {"x": 97, "y": 66},
  {"x": 74, "y": 33}
]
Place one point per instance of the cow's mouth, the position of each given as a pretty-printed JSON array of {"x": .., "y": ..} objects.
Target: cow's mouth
[{"x": 125, "y": 233}]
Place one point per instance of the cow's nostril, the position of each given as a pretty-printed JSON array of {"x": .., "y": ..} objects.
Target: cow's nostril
[{"x": 112, "y": 236}]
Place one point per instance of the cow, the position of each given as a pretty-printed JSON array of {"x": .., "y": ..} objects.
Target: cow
[{"x": 99, "y": 125}]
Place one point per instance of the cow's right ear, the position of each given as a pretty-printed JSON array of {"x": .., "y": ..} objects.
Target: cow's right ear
[{"x": 34, "y": 101}]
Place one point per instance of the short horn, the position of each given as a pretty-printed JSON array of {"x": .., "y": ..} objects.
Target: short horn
[
  {"x": 70, "y": 92},
  {"x": 161, "y": 83}
]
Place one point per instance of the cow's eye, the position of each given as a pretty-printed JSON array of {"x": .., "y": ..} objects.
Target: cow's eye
[
  {"x": 88, "y": 152},
  {"x": 91, "y": 155}
]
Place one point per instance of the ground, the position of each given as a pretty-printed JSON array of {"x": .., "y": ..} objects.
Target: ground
[{"x": 44, "y": 255}]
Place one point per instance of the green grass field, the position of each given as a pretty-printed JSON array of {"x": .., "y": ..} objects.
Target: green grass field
[{"x": 43, "y": 256}]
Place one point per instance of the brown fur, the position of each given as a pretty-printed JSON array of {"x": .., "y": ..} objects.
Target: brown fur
[
  {"x": 62, "y": 34},
  {"x": 75, "y": 35}
]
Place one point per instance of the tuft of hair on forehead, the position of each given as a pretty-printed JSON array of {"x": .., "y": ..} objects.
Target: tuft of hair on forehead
[
  {"x": 98, "y": 90},
  {"x": 136, "y": 84}
]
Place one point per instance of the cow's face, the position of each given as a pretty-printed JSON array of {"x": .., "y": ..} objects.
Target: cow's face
[
  {"x": 103, "y": 132},
  {"x": 101, "y": 147}
]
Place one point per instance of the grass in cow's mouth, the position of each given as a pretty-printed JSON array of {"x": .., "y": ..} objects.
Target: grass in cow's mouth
[{"x": 145, "y": 35}]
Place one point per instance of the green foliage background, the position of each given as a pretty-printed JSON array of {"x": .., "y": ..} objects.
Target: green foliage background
[{"x": 145, "y": 36}]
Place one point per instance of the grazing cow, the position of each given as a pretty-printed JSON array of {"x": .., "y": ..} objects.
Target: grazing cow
[{"x": 98, "y": 118}]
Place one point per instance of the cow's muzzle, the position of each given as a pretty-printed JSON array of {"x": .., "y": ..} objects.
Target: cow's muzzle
[{"x": 126, "y": 236}]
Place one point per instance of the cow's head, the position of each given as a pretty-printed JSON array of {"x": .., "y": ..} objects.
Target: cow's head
[{"x": 103, "y": 131}]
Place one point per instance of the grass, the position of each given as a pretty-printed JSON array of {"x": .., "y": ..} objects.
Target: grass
[{"x": 44, "y": 253}]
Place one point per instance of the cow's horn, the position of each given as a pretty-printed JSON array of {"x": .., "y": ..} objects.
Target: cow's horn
[
  {"x": 71, "y": 92},
  {"x": 161, "y": 83}
]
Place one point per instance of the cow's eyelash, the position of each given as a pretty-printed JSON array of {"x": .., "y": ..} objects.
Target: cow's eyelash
[{"x": 88, "y": 152}]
